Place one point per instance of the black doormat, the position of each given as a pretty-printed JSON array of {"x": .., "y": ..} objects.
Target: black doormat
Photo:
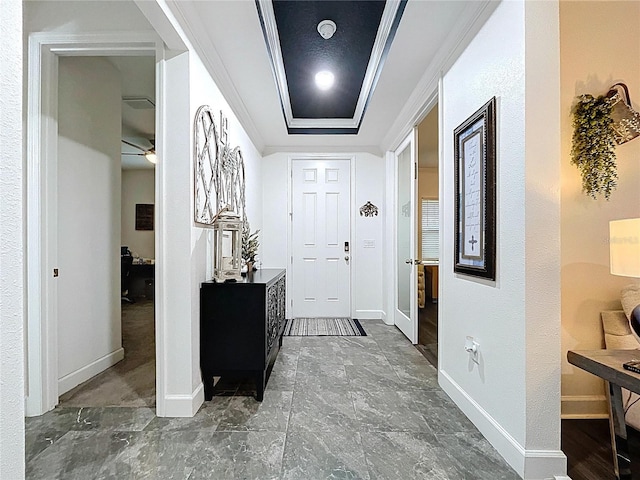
[{"x": 309, "y": 327}]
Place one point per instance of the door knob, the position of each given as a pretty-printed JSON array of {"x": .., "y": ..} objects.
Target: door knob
[
  {"x": 346, "y": 257},
  {"x": 408, "y": 261}
]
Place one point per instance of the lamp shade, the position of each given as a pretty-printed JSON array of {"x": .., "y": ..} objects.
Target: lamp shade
[{"x": 624, "y": 247}]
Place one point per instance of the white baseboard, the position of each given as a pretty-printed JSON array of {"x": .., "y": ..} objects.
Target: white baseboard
[
  {"x": 544, "y": 464},
  {"x": 369, "y": 315},
  {"x": 584, "y": 406},
  {"x": 83, "y": 374},
  {"x": 387, "y": 319},
  {"x": 184, "y": 405},
  {"x": 530, "y": 464}
]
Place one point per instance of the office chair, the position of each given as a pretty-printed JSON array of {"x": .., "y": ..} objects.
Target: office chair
[{"x": 126, "y": 260}]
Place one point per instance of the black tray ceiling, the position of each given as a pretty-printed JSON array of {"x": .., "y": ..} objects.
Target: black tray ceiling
[{"x": 298, "y": 52}]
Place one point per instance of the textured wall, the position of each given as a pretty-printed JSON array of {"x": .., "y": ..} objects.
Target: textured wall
[
  {"x": 512, "y": 395},
  {"x": 138, "y": 186},
  {"x": 366, "y": 292},
  {"x": 600, "y": 45},
  {"x": 492, "y": 312},
  {"x": 88, "y": 218},
  {"x": 11, "y": 245}
]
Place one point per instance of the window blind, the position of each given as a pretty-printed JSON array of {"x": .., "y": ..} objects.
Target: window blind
[{"x": 430, "y": 229}]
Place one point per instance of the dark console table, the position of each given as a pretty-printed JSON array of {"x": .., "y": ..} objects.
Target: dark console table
[{"x": 241, "y": 325}]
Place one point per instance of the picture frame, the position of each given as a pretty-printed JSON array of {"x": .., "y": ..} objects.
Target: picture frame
[
  {"x": 144, "y": 216},
  {"x": 475, "y": 193}
]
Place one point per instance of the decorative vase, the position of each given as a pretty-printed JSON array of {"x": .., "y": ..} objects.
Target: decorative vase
[{"x": 249, "y": 267}]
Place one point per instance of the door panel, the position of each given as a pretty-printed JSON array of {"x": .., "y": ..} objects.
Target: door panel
[
  {"x": 406, "y": 283},
  {"x": 320, "y": 227}
]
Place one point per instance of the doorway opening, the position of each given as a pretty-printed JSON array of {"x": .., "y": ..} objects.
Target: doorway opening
[
  {"x": 428, "y": 233},
  {"x": 125, "y": 127}
]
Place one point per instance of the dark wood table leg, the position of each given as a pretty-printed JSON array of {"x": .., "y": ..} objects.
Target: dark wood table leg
[
  {"x": 260, "y": 383},
  {"x": 621, "y": 457},
  {"x": 633, "y": 445},
  {"x": 207, "y": 381}
]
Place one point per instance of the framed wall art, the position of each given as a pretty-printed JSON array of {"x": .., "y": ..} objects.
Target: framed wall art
[
  {"x": 475, "y": 193},
  {"x": 218, "y": 170},
  {"x": 144, "y": 216}
]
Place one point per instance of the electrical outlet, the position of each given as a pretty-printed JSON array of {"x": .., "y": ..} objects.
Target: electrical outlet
[{"x": 471, "y": 346}]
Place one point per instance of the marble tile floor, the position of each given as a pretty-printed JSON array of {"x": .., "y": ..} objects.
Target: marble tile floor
[{"x": 334, "y": 408}]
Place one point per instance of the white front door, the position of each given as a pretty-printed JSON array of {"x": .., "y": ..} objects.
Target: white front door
[
  {"x": 406, "y": 295},
  {"x": 320, "y": 229}
]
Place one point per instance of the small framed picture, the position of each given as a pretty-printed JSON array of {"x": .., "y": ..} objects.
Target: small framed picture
[
  {"x": 144, "y": 216},
  {"x": 475, "y": 193}
]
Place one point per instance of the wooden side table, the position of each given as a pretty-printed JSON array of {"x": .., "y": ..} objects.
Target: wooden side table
[{"x": 607, "y": 364}]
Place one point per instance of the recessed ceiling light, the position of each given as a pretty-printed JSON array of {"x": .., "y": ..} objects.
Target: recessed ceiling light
[
  {"x": 326, "y": 29},
  {"x": 324, "y": 80}
]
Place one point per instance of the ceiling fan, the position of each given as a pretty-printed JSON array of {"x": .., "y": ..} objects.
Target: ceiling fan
[{"x": 150, "y": 154}]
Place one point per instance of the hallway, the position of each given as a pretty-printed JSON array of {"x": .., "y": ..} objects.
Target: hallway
[
  {"x": 335, "y": 407},
  {"x": 132, "y": 381}
]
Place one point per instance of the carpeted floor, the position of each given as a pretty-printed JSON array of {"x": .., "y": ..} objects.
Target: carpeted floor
[{"x": 131, "y": 382}]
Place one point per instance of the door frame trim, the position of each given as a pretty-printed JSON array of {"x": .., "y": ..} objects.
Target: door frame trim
[
  {"x": 352, "y": 208},
  {"x": 44, "y": 49},
  {"x": 410, "y": 139}
]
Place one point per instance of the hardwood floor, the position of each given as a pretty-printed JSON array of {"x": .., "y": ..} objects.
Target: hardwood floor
[
  {"x": 428, "y": 332},
  {"x": 587, "y": 445}
]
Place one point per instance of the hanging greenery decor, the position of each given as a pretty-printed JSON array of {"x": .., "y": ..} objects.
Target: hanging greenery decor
[{"x": 593, "y": 150}]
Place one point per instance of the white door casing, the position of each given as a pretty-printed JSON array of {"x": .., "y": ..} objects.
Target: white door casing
[
  {"x": 405, "y": 284},
  {"x": 42, "y": 137},
  {"x": 320, "y": 229}
]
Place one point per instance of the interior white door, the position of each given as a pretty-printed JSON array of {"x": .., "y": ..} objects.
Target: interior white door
[
  {"x": 320, "y": 230},
  {"x": 406, "y": 295}
]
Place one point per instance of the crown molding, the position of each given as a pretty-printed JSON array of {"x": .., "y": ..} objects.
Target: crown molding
[
  {"x": 197, "y": 35},
  {"x": 319, "y": 149},
  {"x": 425, "y": 95},
  {"x": 386, "y": 31}
]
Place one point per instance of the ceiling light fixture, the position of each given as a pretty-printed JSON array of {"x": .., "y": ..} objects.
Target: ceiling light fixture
[
  {"x": 151, "y": 157},
  {"x": 324, "y": 80},
  {"x": 326, "y": 29}
]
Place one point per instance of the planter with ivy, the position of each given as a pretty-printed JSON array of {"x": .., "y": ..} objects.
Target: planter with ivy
[{"x": 593, "y": 149}]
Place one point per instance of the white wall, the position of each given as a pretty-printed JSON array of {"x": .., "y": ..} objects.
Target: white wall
[
  {"x": 12, "y": 385},
  {"x": 182, "y": 251},
  {"x": 591, "y": 64},
  {"x": 74, "y": 16},
  {"x": 89, "y": 324},
  {"x": 138, "y": 186},
  {"x": 369, "y": 179},
  {"x": 59, "y": 18},
  {"x": 367, "y": 288},
  {"x": 515, "y": 319},
  {"x": 186, "y": 257},
  {"x": 179, "y": 396}
]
